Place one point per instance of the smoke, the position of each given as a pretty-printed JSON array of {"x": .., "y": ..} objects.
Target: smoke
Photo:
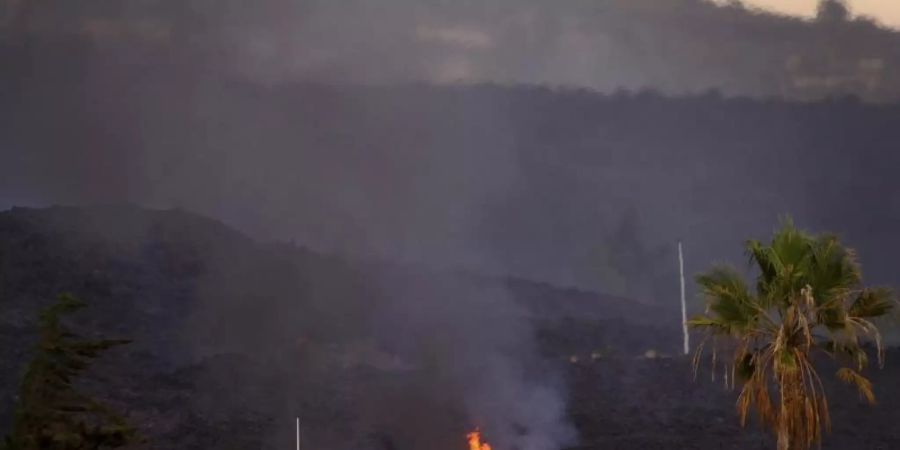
[
  {"x": 461, "y": 350},
  {"x": 265, "y": 116},
  {"x": 474, "y": 343},
  {"x": 399, "y": 188}
]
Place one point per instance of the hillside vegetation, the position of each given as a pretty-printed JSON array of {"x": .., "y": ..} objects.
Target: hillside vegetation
[{"x": 677, "y": 46}]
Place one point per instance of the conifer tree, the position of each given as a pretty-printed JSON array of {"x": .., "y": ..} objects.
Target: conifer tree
[{"x": 51, "y": 413}]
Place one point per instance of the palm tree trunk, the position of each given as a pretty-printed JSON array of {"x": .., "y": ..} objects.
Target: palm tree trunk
[
  {"x": 783, "y": 422},
  {"x": 784, "y": 439}
]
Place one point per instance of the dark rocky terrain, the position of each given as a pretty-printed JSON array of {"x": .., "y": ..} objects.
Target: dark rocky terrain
[
  {"x": 197, "y": 378},
  {"x": 654, "y": 404}
]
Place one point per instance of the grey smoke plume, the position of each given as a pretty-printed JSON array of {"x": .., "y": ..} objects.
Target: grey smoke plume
[
  {"x": 528, "y": 181},
  {"x": 476, "y": 344}
]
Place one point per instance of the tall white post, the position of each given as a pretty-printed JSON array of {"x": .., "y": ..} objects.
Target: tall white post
[
  {"x": 684, "y": 324},
  {"x": 298, "y": 433}
]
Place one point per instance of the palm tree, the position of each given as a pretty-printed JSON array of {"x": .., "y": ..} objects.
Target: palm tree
[{"x": 808, "y": 298}]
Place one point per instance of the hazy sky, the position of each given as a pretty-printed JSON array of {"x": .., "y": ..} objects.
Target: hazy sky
[{"x": 886, "y": 11}]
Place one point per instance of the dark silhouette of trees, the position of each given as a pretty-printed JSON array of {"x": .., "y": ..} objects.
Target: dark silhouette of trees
[
  {"x": 832, "y": 11},
  {"x": 51, "y": 413},
  {"x": 742, "y": 51}
]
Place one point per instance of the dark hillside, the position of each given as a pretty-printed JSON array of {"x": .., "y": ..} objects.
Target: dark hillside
[
  {"x": 568, "y": 187},
  {"x": 211, "y": 310},
  {"x": 146, "y": 275},
  {"x": 676, "y": 46}
]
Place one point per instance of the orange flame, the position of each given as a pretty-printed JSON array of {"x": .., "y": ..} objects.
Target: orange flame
[{"x": 475, "y": 441}]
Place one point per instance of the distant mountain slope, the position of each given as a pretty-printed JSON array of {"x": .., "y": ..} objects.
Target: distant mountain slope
[
  {"x": 569, "y": 187},
  {"x": 676, "y": 46}
]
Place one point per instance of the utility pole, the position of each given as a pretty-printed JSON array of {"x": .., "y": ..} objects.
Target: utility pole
[
  {"x": 298, "y": 433},
  {"x": 684, "y": 324}
]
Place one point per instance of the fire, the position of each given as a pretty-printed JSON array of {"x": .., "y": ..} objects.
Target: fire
[{"x": 475, "y": 441}]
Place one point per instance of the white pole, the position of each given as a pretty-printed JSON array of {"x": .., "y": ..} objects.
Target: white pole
[
  {"x": 684, "y": 324},
  {"x": 298, "y": 433}
]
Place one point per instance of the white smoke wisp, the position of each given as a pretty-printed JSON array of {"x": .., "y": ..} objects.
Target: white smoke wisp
[{"x": 474, "y": 341}]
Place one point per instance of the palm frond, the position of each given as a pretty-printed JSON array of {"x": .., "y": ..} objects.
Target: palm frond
[
  {"x": 872, "y": 302},
  {"x": 730, "y": 305},
  {"x": 835, "y": 270},
  {"x": 767, "y": 266},
  {"x": 791, "y": 245},
  {"x": 862, "y": 383}
]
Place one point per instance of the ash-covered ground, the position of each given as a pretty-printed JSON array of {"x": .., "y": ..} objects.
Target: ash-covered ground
[{"x": 226, "y": 366}]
